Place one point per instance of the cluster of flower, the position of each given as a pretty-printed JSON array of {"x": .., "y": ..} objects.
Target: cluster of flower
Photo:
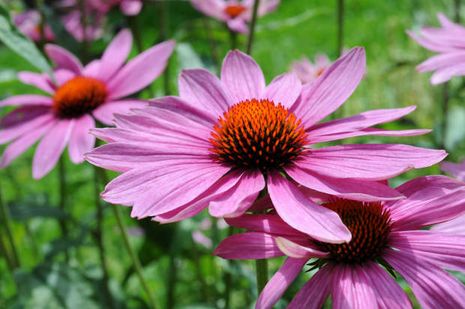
[{"x": 252, "y": 153}]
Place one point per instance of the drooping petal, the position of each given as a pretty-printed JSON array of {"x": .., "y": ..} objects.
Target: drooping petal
[
  {"x": 429, "y": 44},
  {"x": 369, "y": 132},
  {"x": 284, "y": 89},
  {"x": 212, "y": 8},
  {"x": 27, "y": 100},
  {"x": 21, "y": 121},
  {"x": 351, "y": 289},
  {"x": 442, "y": 61},
  {"x": 369, "y": 161},
  {"x": 455, "y": 169},
  {"x": 280, "y": 281},
  {"x": 237, "y": 201},
  {"x": 63, "y": 58},
  {"x": 50, "y": 148},
  {"x": 242, "y": 76},
  {"x": 115, "y": 54},
  {"x": 40, "y": 81},
  {"x": 443, "y": 249},
  {"x": 81, "y": 141},
  {"x": 295, "y": 250},
  {"x": 314, "y": 292},
  {"x": 270, "y": 224},
  {"x": 455, "y": 226},
  {"x": 140, "y": 71},
  {"x": 205, "y": 91},
  {"x": 20, "y": 145},
  {"x": 332, "y": 88},
  {"x": 387, "y": 291},
  {"x": 433, "y": 287},
  {"x": 445, "y": 74},
  {"x": 304, "y": 215},
  {"x": 354, "y": 189},
  {"x": 430, "y": 200},
  {"x": 178, "y": 105},
  {"x": 251, "y": 245},
  {"x": 105, "y": 112}
]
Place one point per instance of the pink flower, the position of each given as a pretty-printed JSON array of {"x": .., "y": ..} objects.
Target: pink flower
[
  {"x": 236, "y": 14},
  {"x": 94, "y": 19},
  {"x": 307, "y": 71},
  {"x": 449, "y": 42},
  {"x": 75, "y": 97},
  {"x": 29, "y": 23},
  {"x": 457, "y": 225},
  {"x": 223, "y": 141},
  {"x": 389, "y": 234}
]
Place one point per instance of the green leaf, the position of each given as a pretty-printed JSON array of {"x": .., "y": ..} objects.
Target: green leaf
[{"x": 20, "y": 44}]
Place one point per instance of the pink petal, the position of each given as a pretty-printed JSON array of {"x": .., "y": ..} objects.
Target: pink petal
[
  {"x": 63, "y": 58},
  {"x": 332, "y": 88},
  {"x": 445, "y": 74},
  {"x": 315, "y": 291},
  {"x": 238, "y": 24},
  {"x": 270, "y": 224},
  {"x": 442, "y": 249},
  {"x": 211, "y": 8},
  {"x": 279, "y": 283},
  {"x": 348, "y": 188},
  {"x": 239, "y": 200},
  {"x": 456, "y": 170},
  {"x": 352, "y": 289},
  {"x": 360, "y": 121},
  {"x": 369, "y": 161},
  {"x": 204, "y": 91},
  {"x": 178, "y": 105},
  {"x": 455, "y": 226},
  {"x": 92, "y": 69},
  {"x": 242, "y": 76},
  {"x": 369, "y": 132},
  {"x": 294, "y": 250},
  {"x": 27, "y": 99},
  {"x": 115, "y": 54},
  {"x": 304, "y": 215},
  {"x": 222, "y": 186},
  {"x": 105, "y": 112},
  {"x": 433, "y": 287},
  {"x": 50, "y": 148},
  {"x": 388, "y": 293},
  {"x": 284, "y": 89},
  {"x": 81, "y": 141},
  {"x": 140, "y": 71},
  {"x": 442, "y": 61},
  {"x": 247, "y": 246},
  {"x": 430, "y": 200},
  {"x": 40, "y": 81},
  {"x": 20, "y": 145},
  {"x": 131, "y": 7},
  {"x": 21, "y": 121},
  {"x": 429, "y": 44},
  {"x": 62, "y": 76}
]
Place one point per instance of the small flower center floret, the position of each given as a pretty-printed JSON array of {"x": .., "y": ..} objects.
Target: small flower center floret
[
  {"x": 234, "y": 10},
  {"x": 258, "y": 135},
  {"x": 370, "y": 225},
  {"x": 78, "y": 96}
]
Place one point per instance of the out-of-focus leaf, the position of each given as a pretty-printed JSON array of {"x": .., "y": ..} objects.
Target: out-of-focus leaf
[
  {"x": 187, "y": 57},
  {"x": 20, "y": 44},
  {"x": 25, "y": 211}
]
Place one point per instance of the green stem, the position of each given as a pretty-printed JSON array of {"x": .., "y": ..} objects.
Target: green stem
[
  {"x": 253, "y": 23},
  {"x": 132, "y": 255},
  {"x": 172, "y": 278},
  {"x": 6, "y": 255},
  {"x": 164, "y": 24},
  {"x": 457, "y": 10},
  {"x": 62, "y": 202},
  {"x": 5, "y": 215},
  {"x": 233, "y": 39},
  {"x": 212, "y": 41},
  {"x": 261, "y": 268},
  {"x": 228, "y": 278},
  {"x": 100, "y": 242},
  {"x": 340, "y": 27},
  {"x": 132, "y": 22},
  {"x": 85, "y": 41}
]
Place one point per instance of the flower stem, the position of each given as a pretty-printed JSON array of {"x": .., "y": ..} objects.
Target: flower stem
[
  {"x": 228, "y": 278},
  {"x": 457, "y": 10},
  {"x": 261, "y": 268},
  {"x": 233, "y": 39},
  {"x": 212, "y": 41},
  {"x": 340, "y": 27},
  {"x": 5, "y": 216},
  {"x": 164, "y": 24},
  {"x": 100, "y": 242},
  {"x": 172, "y": 276},
  {"x": 62, "y": 202},
  {"x": 132, "y": 22},
  {"x": 253, "y": 23}
]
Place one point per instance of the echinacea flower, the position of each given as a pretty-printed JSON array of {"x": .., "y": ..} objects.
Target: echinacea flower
[
  {"x": 76, "y": 95},
  {"x": 457, "y": 225},
  {"x": 235, "y": 13},
  {"x": 307, "y": 71},
  {"x": 387, "y": 236},
  {"x": 29, "y": 23},
  {"x": 222, "y": 142},
  {"x": 449, "y": 42}
]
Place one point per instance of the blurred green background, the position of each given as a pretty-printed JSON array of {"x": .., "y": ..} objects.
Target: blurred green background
[{"x": 181, "y": 273}]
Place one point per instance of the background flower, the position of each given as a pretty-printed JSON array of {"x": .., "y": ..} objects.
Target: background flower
[
  {"x": 76, "y": 94},
  {"x": 307, "y": 71},
  {"x": 29, "y": 23}
]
